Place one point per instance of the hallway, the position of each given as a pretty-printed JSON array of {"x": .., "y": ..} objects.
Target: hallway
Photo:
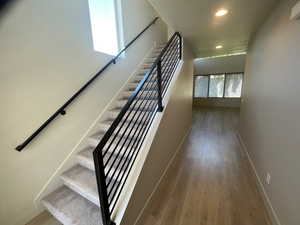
[{"x": 210, "y": 181}]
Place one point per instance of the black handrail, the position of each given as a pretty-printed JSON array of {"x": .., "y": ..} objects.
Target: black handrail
[
  {"x": 4, "y": 4},
  {"x": 62, "y": 109},
  {"x": 110, "y": 181}
]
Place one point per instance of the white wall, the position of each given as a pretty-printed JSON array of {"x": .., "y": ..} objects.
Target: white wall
[
  {"x": 270, "y": 112},
  {"x": 46, "y": 55},
  {"x": 225, "y": 64}
]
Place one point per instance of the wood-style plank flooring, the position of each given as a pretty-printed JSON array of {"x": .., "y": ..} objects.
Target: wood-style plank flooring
[
  {"x": 44, "y": 219},
  {"x": 210, "y": 181}
]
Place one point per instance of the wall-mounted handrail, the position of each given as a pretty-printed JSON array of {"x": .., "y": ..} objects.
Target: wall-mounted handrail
[
  {"x": 62, "y": 109},
  {"x": 4, "y": 4}
]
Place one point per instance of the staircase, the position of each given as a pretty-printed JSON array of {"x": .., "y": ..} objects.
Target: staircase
[{"x": 77, "y": 201}]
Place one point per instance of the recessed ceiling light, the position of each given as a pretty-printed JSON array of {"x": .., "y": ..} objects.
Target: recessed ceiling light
[
  {"x": 219, "y": 46},
  {"x": 221, "y": 12}
]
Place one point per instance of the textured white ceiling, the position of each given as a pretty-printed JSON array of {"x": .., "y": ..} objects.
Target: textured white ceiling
[{"x": 196, "y": 20}]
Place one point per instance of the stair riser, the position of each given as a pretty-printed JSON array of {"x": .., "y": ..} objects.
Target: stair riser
[
  {"x": 114, "y": 115},
  {"x": 90, "y": 165},
  {"x": 78, "y": 190},
  {"x": 143, "y": 96},
  {"x": 132, "y": 129},
  {"x": 144, "y": 105},
  {"x": 95, "y": 142}
]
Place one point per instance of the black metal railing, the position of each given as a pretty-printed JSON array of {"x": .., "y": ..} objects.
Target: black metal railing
[
  {"x": 62, "y": 109},
  {"x": 118, "y": 149},
  {"x": 4, "y": 4}
]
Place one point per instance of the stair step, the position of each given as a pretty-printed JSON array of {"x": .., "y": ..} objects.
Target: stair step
[
  {"x": 140, "y": 104},
  {"x": 145, "y": 95},
  {"x": 151, "y": 82},
  {"x": 138, "y": 80},
  {"x": 147, "y": 66},
  {"x": 126, "y": 144},
  {"x": 144, "y": 70},
  {"x": 83, "y": 181},
  {"x": 133, "y": 86},
  {"x": 104, "y": 128},
  {"x": 140, "y": 76},
  {"x": 114, "y": 113},
  {"x": 106, "y": 124},
  {"x": 71, "y": 209},
  {"x": 95, "y": 139},
  {"x": 130, "y": 128},
  {"x": 85, "y": 159},
  {"x": 150, "y": 60}
]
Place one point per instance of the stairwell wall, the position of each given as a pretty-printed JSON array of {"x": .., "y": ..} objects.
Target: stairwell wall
[
  {"x": 174, "y": 126},
  {"x": 46, "y": 55}
]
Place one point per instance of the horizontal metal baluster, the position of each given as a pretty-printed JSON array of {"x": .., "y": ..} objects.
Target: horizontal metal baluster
[
  {"x": 153, "y": 105},
  {"x": 111, "y": 178},
  {"x": 125, "y": 178},
  {"x": 170, "y": 76},
  {"x": 122, "y": 124},
  {"x": 167, "y": 57},
  {"x": 174, "y": 52},
  {"x": 132, "y": 109},
  {"x": 109, "y": 193},
  {"x": 139, "y": 124},
  {"x": 169, "y": 47},
  {"x": 169, "y": 71},
  {"x": 174, "y": 61},
  {"x": 165, "y": 60},
  {"x": 168, "y": 62},
  {"x": 129, "y": 167},
  {"x": 133, "y": 147},
  {"x": 136, "y": 93},
  {"x": 135, "y": 121}
]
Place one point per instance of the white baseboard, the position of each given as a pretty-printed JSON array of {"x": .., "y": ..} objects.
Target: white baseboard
[
  {"x": 274, "y": 218},
  {"x": 162, "y": 176}
]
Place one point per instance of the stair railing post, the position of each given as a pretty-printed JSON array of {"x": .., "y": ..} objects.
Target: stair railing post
[
  {"x": 159, "y": 87},
  {"x": 102, "y": 190},
  {"x": 180, "y": 46}
]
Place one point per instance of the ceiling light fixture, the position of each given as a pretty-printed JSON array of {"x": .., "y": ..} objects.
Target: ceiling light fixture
[
  {"x": 221, "y": 12},
  {"x": 219, "y": 46}
]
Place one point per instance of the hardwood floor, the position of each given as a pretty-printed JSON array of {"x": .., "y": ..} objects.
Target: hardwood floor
[
  {"x": 44, "y": 219},
  {"x": 210, "y": 181}
]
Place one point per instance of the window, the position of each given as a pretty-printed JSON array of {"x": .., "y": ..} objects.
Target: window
[
  {"x": 201, "y": 86},
  {"x": 218, "y": 85},
  {"x": 105, "y": 20},
  {"x": 233, "y": 88}
]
